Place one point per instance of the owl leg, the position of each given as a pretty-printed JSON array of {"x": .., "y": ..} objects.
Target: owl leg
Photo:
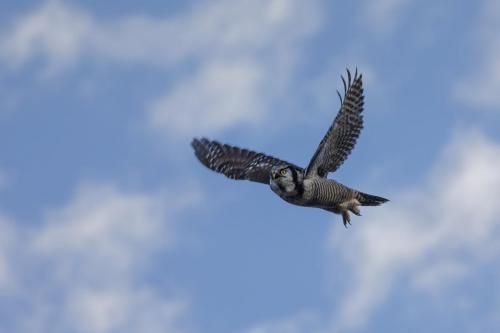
[
  {"x": 346, "y": 218},
  {"x": 355, "y": 210}
]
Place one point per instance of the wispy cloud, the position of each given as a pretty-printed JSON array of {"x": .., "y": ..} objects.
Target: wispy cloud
[
  {"x": 481, "y": 86},
  {"x": 62, "y": 33},
  {"x": 56, "y": 32},
  {"x": 82, "y": 269},
  {"x": 219, "y": 96},
  {"x": 232, "y": 59},
  {"x": 421, "y": 231}
]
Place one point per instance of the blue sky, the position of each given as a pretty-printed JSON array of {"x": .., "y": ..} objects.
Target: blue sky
[{"x": 108, "y": 223}]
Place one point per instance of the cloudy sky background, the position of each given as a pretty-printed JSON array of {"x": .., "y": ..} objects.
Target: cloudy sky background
[{"x": 109, "y": 224}]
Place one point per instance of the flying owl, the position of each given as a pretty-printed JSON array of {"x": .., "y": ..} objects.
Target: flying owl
[{"x": 308, "y": 187}]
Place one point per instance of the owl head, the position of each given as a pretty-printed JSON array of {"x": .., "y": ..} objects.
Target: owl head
[{"x": 285, "y": 180}]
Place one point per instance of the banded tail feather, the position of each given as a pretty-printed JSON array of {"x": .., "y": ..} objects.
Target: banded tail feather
[{"x": 370, "y": 200}]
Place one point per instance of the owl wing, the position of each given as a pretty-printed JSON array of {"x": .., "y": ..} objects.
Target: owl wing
[
  {"x": 341, "y": 137},
  {"x": 234, "y": 162}
]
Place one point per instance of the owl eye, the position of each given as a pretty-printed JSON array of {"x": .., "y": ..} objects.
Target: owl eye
[{"x": 283, "y": 172}]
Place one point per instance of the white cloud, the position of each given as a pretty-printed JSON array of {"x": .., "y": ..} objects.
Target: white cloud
[
  {"x": 231, "y": 58},
  {"x": 481, "y": 86},
  {"x": 55, "y": 31},
  {"x": 114, "y": 225},
  {"x": 455, "y": 212},
  {"x": 220, "y": 96},
  {"x": 82, "y": 269},
  {"x": 124, "y": 310},
  {"x": 223, "y": 29}
]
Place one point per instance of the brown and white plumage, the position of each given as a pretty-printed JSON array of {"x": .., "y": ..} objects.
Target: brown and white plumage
[{"x": 308, "y": 187}]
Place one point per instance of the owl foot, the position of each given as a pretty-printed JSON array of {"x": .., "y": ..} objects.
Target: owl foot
[{"x": 346, "y": 218}]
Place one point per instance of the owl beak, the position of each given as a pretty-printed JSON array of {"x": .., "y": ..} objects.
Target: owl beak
[{"x": 275, "y": 174}]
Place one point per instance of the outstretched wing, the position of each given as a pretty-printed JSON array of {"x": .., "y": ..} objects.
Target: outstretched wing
[
  {"x": 342, "y": 135},
  {"x": 234, "y": 162}
]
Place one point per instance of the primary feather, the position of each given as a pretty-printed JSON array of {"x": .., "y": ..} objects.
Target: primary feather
[
  {"x": 234, "y": 162},
  {"x": 341, "y": 137}
]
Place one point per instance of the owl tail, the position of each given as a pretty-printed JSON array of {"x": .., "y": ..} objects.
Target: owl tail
[{"x": 370, "y": 200}]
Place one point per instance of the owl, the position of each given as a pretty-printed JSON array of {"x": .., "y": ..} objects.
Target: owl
[{"x": 307, "y": 187}]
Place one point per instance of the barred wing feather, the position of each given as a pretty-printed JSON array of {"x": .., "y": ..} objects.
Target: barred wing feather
[
  {"x": 341, "y": 137},
  {"x": 234, "y": 162}
]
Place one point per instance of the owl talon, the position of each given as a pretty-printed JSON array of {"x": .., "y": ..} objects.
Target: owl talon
[{"x": 346, "y": 218}]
